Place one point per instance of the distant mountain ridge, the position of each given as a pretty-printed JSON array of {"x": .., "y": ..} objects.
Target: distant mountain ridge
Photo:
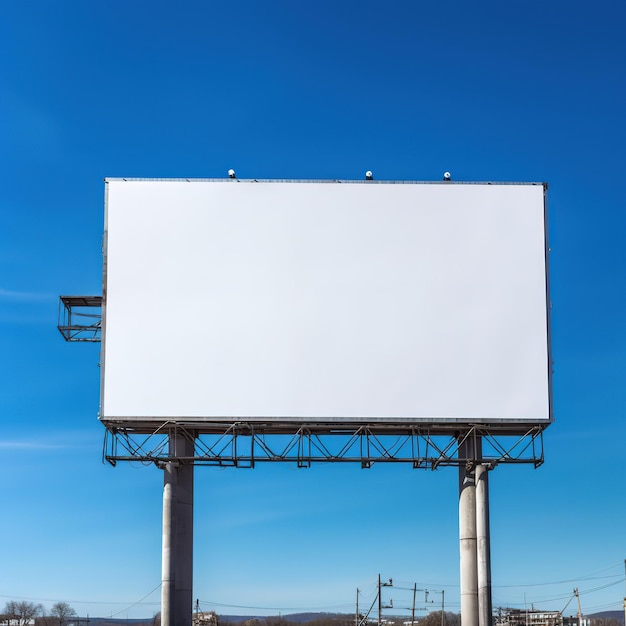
[
  {"x": 616, "y": 615},
  {"x": 299, "y": 618},
  {"x": 296, "y": 618},
  {"x": 303, "y": 618}
]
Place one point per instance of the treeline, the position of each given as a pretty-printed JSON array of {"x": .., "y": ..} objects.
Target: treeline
[{"x": 23, "y": 613}]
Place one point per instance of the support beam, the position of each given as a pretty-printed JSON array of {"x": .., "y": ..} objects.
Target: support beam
[
  {"x": 467, "y": 535},
  {"x": 177, "y": 556},
  {"x": 167, "y": 554},
  {"x": 483, "y": 546},
  {"x": 245, "y": 444}
]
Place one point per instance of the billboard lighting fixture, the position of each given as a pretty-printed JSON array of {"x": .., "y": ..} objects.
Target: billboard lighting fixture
[
  {"x": 231, "y": 173},
  {"x": 447, "y": 176},
  {"x": 369, "y": 175}
]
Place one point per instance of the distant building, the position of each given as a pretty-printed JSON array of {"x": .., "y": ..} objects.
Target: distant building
[
  {"x": 573, "y": 621},
  {"x": 522, "y": 617},
  {"x": 210, "y": 618}
]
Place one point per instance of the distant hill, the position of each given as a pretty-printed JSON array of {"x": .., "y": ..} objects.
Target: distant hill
[
  {"x": 110, "y": 621},
  {"x": 304, "y": 618},
  {"x": 616, "y": 615},
  {"x": 296, "y": 618}
]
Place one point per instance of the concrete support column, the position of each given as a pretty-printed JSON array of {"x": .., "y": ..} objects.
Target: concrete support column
[
  {"x": 167, "y": 570},
  {"x": 177, "y": 555},
  {"x": 467, "y": 536},
  {"x": 483, "y": 549}
]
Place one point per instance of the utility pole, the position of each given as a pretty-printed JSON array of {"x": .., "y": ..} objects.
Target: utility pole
[
  {"x": 442, "y": 607},
  {"x": 625, "y": 591},
  {"x": 413, "y": 607},
  {"x": 580, "y": 613},
  {"x": 356, "y": 615},
  {"x": 380, "y": 599}
]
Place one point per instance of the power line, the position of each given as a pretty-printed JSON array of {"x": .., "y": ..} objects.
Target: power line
[
  {"x": 136, "y": 603},
  {"x": 69, "y": 601},
  {"x": 589, "y": 576}
]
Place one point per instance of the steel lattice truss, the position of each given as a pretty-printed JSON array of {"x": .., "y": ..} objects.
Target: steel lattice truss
[
  {"x": 243, "y": 445},
  {"x": 80, "y": 318}
]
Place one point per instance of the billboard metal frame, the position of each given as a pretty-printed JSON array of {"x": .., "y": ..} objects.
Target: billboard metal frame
[
  {"x": 80, "y": 318},
  {"x": 243, "y": 445},
  {"x": 244, "y": 442},
  {"x": 276, "y": 425},
  {"x": 176, "y": 445}
]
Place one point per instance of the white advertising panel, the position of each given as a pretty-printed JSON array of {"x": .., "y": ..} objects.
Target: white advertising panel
[{"x": 229, "y": 300}]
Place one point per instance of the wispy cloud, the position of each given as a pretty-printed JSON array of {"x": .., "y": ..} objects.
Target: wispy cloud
[
  {"x": 57, "y": 440},
  {"x": 29, "y": 445},
  {"x": 24, "y": 296}
]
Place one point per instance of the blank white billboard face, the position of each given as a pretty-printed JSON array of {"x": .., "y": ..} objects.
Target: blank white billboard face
[{"x": 320, "y": 301}]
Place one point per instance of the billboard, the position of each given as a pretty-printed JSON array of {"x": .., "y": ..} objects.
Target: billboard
[{"x": 325, "y": 302}]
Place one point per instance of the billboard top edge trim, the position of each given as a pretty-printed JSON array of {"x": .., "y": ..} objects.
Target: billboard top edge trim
[{"x": 326, "y": 181}]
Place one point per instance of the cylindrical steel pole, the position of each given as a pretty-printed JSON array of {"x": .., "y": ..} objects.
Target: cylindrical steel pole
[
  {"x": 184, "y": 545},
  {"x": 483, "y": 543},
  {"x": 167, "y": 569},
  {"x": 177, "y": 565},
  {"x": 467, "y": 535}
]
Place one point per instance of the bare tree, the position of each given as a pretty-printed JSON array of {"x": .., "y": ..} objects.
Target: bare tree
[
  {"x": 22, "y": 613},
  {"x": 62, "y": 611}
]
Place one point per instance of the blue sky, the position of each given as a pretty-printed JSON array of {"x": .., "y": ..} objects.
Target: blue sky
[{"x": 500, "y": 91}]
